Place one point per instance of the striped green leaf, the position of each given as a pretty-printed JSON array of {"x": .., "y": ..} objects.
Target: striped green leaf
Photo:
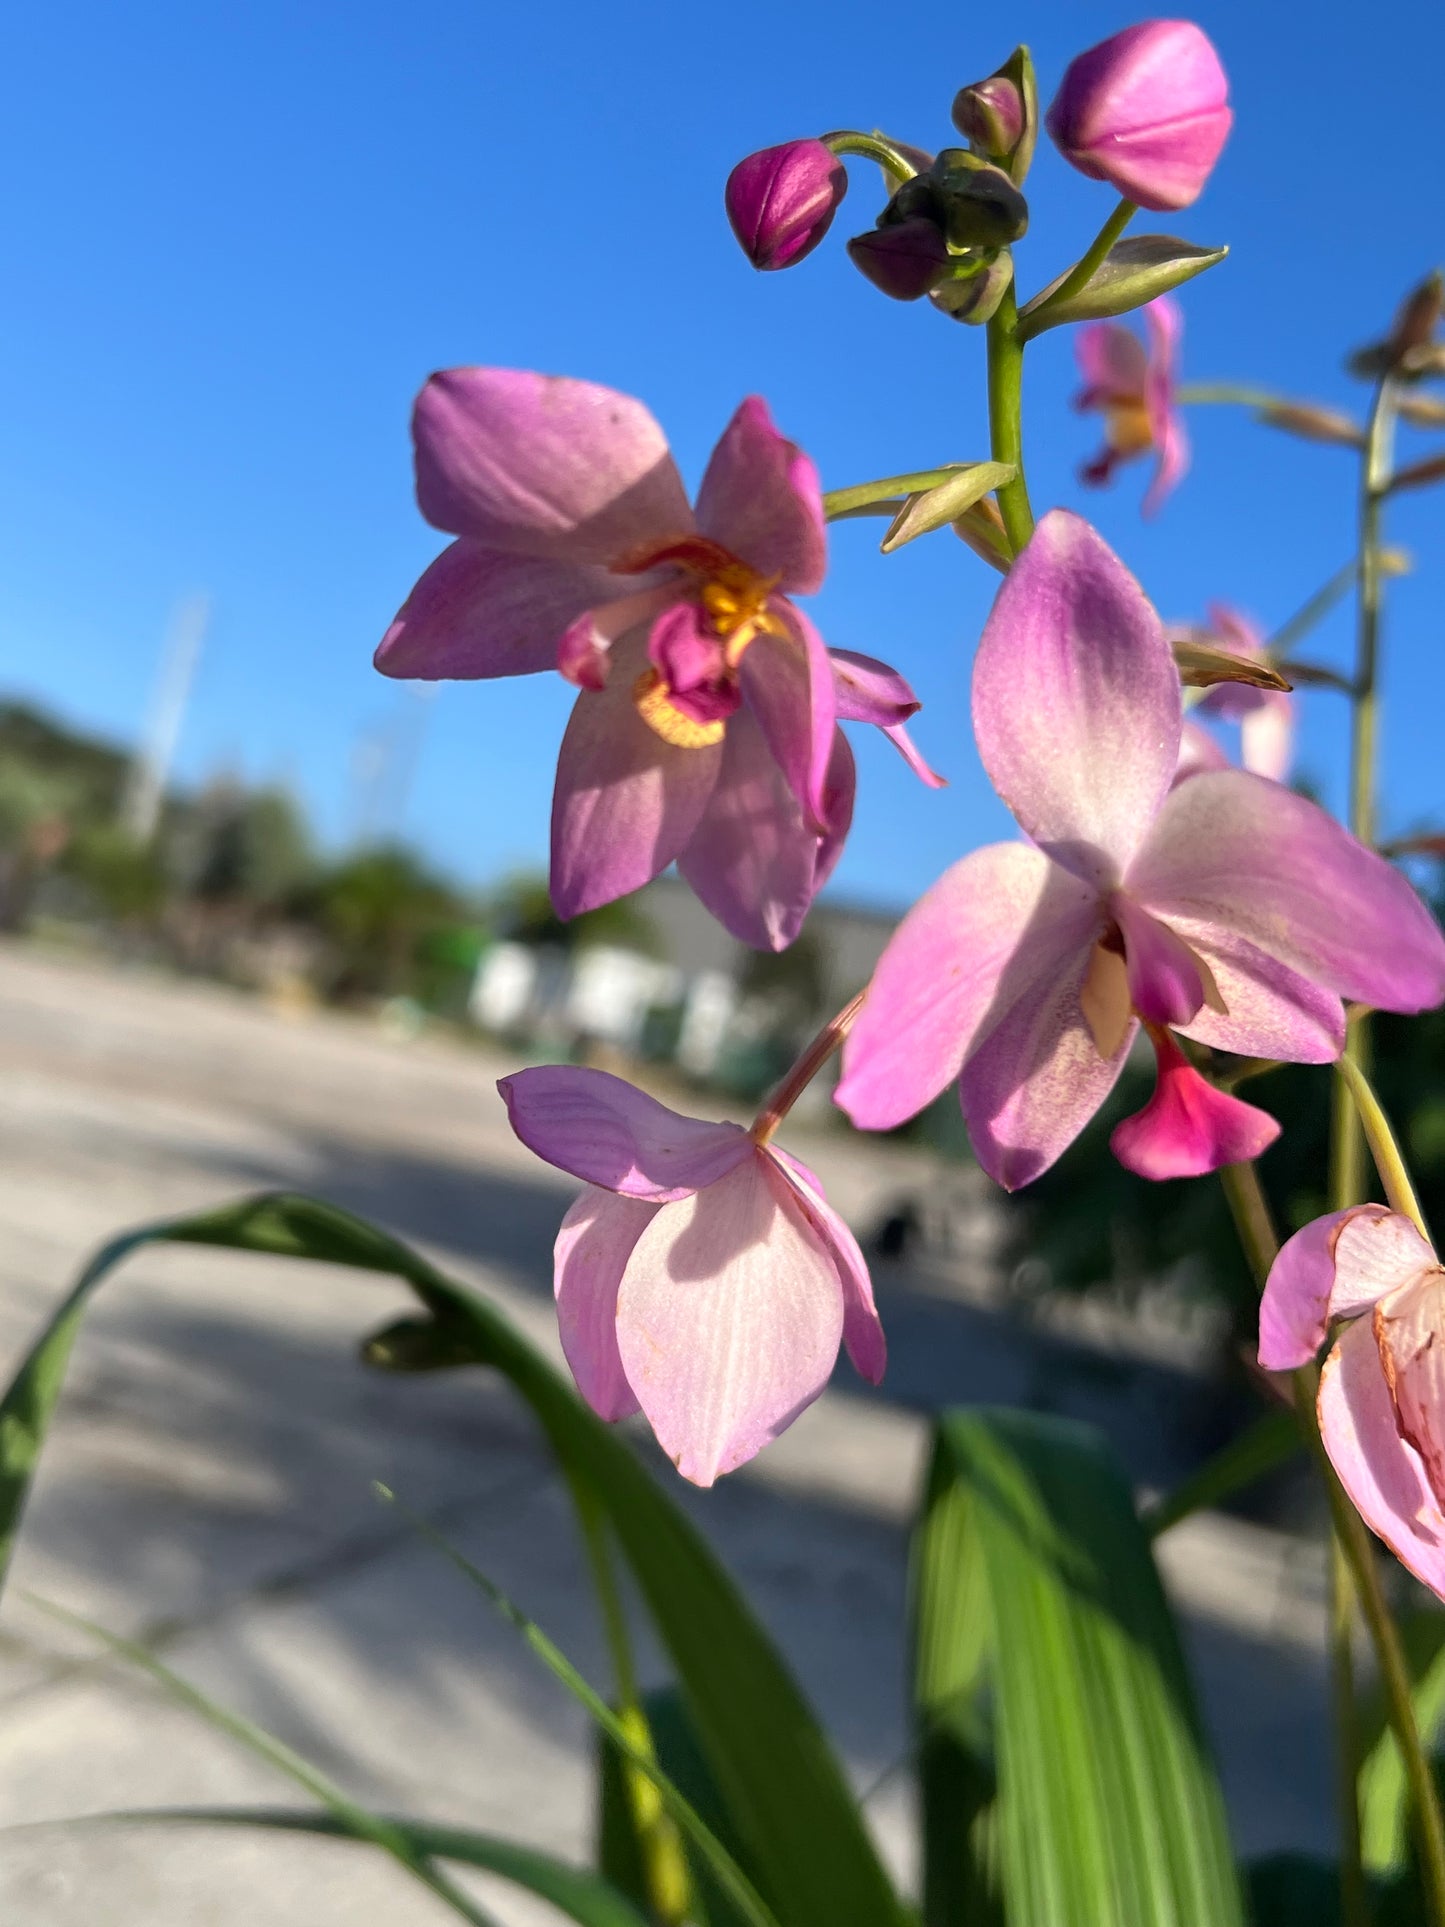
[
  {"x": 784, "y": 1791},
  {"x": 1037, "y": 1603}
]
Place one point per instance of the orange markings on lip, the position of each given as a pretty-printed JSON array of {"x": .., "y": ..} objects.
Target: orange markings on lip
[{"x": 654, "y": 704}]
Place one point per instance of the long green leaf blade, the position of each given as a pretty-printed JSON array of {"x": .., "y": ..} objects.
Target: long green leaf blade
[
  {"x": 578, "y": 1893},
  {"x": 724, "y": 1868},
  {"x": 355, "y": 1819},
  {"x": 785, "y": 1793},
  {"x": 1108, "y": 1809}
]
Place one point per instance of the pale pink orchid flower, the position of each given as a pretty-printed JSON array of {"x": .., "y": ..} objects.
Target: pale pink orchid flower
[
  {"x": 701, "y": 1277},
  {"x": 1223, "y": 908},
  {"x": 1368, "y": 1275},
  {"x": 706, "y": 731},
  {"x": 1132, "y": 387},
  {"x": 1265, "y": 716}
]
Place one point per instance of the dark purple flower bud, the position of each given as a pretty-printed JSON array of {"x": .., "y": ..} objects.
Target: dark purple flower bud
[
  {"x": 904, "y": 260},
  {"x": 1147, "y": 111},
  {"x": 781, "y": 201},
  {"x": 990, "y": 113}
]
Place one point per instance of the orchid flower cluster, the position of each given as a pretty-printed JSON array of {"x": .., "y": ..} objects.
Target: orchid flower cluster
[{"x": 1159, "y": 898}]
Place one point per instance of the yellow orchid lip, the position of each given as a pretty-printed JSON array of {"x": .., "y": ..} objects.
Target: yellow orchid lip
[
  {"x": 733, "y": 600},
  {"x": 653, "y": 702}
]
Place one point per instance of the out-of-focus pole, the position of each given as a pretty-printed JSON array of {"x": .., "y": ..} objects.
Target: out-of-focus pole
[{"x": 145, "y": 787}]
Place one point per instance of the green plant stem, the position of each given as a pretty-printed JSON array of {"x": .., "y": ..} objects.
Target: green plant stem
[
  {"x": 1087, "y": 266},
  {"x": 1195, "y": 394},
  {"x": 669, "y": 1887},
  {"x": 1255, "y": 1226},
  {"x": 871, "y": 147},
  {"x": 880, "y": 497},
  {"x": 1389, "y": 1159},
  {"x": 1347, "y": 1154},
  {"x": 1355, "y": 1910},
  {"x": 1298, "y": 626},
  {"x": 1005, "y": 417}
]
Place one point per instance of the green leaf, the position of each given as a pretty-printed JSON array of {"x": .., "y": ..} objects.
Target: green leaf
[
  {"x": 735, "y": 1883},
  {"x": 1272, "y": 1440},
  {"x": 1384, "y": 1793},
  {"x": 350, "y": 1818},
  {"x": 619, "y": 1850},
  {"x": 882, "y": 497},
  {"x": 1108, "y": 1809},
  {"x": 574, "y": 1891},
  {"x": 935, "y": 508},
  {"x": 813, "y": 1858},
  {"x": 1135, "y": 270}
]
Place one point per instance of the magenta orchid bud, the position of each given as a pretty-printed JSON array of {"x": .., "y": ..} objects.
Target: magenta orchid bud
[
  {"x": 781, "y": 201},
  {"x": 991, "y": 115},
  {"x": 1147, "y": 111},
  {"x": 905, "y": 260}
]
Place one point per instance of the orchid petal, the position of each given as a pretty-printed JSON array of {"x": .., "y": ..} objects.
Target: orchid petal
[
  {"x": 1338, "y": 1266},
  {"x": 626, "y": 802},
  {"x": 1038, "y": 1078},
  {"x": 1076, "y": 702},
  {"x": 760, "y": 498},
  {"x": 989, "y": 935},
  {"x": 788, "y": 682},
  {"x": 1188, "y": 1128},
  {"x": 728, "y": 1319},
  {"x": 868, "y": 691},
  {"x": 1165, "y": 982},
  {"x": 584, "y": 651},
  {"x": 898, "y": 735},
  {"x": 1269, "y": 1009},
  {"x": 544, "y": 466},
  {"x": 752, "y": 860},
  {"x": 1294, "y": 1311},
  {"x": 1382, "y": 1475},
  {"x": 1407, "y": 1327},
  {"x": 1247, "y": 855},
  {"x": 838, "y": 796},
  {"x": 606, "y": 1132},
  {"x": 477, "y": 613},
  {"x": 1198, "y": 750},
  {"x": 589, "y": 1258},
  {"x": 862, "y": 1327},
  {"x": 1266, "y": 736},
  {"x": 1112, "y": 361}
]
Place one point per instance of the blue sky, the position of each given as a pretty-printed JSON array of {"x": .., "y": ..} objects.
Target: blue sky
[{"x": 234, "y": 241}]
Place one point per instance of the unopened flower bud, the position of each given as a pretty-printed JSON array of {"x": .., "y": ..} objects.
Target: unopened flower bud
[
  {"x": 904, "y": 260},
  {"x": 990, "y": 113},
  {"x": 974, "y": 202},
  {"x": 1314, "y": 423},
  {"x": 1147, "y": 111},
  {"x": 975, "y": 287},
  {"x": 1421, "y": 411},
  {"x": 781, "y": 201}
]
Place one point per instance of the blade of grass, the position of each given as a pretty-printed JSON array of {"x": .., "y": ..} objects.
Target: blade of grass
[{"x": 356, "y": 1820}]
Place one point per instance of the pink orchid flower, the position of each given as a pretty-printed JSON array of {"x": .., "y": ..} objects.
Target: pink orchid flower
[
  {"x": 706, "y": 730},
  {"x": 1223, "y": 907},
  {"x": 1265, "y": 716},
  {"x": 1382, "y": 1387},
  {"x": 701, "y": 1277},
  {"x": 1133, "y": 388}
]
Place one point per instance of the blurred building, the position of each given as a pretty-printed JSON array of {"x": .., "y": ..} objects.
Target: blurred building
[{"x": 695, "y": 997}]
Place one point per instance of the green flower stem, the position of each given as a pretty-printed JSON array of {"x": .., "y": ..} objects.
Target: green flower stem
[
  {"x": 1255, "y": 1226},
  {"x": 1384, "y": 1149},
  {"x": 1005, "y": 417},
  {"x": 1194, "y": 394},
  {"x": 872, "y": 147},
  {"x": 1087, "y": 266},
  {"x": 1298, "y": 626},
  {"x": 669, "y": 1885},
  {"x": 1355, "y": 1908},
  {"x": 1347, "y": 1159},
  {"x": 881, "y": 497}
]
